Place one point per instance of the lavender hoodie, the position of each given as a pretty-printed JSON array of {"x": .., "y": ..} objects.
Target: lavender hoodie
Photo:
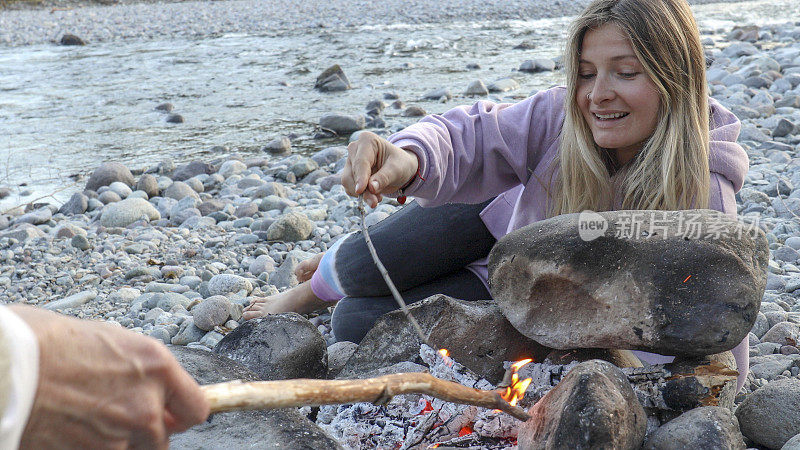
[{"x": 471, "y": 154}]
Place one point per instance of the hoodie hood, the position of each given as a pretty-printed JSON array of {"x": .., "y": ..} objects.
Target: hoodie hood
[{"x": 726, "y": 156}]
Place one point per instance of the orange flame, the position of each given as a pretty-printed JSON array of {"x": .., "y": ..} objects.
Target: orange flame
[
  {"x": 516, "y": 391},
  {"x": 444, "y": 352}
]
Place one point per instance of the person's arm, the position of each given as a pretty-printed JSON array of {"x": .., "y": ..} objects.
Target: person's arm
[
  {"x": 19, "y": 374},
  {"x": 470, "y": 154},
  {"x": 102, "y": 386}
]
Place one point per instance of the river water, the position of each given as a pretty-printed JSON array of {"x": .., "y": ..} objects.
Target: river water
[{"x": 64, "y": 110}]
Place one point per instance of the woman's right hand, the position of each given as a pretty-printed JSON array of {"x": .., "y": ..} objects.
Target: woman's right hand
[{"x": 375, "y": 167}]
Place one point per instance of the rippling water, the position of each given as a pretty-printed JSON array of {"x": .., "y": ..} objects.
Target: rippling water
[{"x": 63, "y": 110}]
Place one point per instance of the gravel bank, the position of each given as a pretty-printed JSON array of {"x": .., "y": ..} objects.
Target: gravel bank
[{"x": 207, "y": 18}]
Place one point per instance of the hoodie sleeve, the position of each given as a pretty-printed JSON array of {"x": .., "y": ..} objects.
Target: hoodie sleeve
[
  {"x": 728, "y": 162},
  {"x": 470, "y": 154}
]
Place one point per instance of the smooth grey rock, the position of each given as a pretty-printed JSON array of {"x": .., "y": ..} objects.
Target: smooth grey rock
[
  {"x": 263, "y": 263},
  {"x": 567, "y": 287},
  {"x": 290, "y": 227},
  {"x": 593, "y": 406},
  {"x": 179, "y": 190},
  {"x": 783, "y": 333},
  {"x": 277, "y": 347},
  {"x": 503, "y": 85},
  {"x": 414, "y": 111},
  {"x": 80, "y": 242},
  {"x": 22, "y": 232},
  {"x": 342, "y": 123},
  {"x": 231, "y": 167},
  {"x": 538, "y": 65},
  {"x": 77, "y": 204},
  {"x": 148, "y": 184},
  {"x": 210, "y": 206},
  {"x": 108, "y": 173},
  {"x": 332, "y": 79},
  {"x": 189, "y": 170},
  {"x": 188, "y": 333},
  {"x": 72, "y": 301},
  {"x": 792, "y": 444},
  {"x": 175, "y": 118},
  {"x": 109, "y": 197},
  {"x": 437, "y": 94},
  {"x": 37, "y": 217},
  {"x": 477, "y": 88},
  {"x": 279, "y": 146},
  {"x": 784, "y": 128},
  {"x": 125, "y": 212},
  {"x": 770, "y": 416},
  {"x": 329, "y": 155},
  {"x": 211, "y": 312},
  {"x": 71, "y": 39},
  {"x": 706, "y": 427},
  {"x": 121, "y": 189},
  {"x": 164, "y": 107},
  {"x": 225, "y": 283},
  {"x": 280, "y": 428},
  {"x": 475, "y": 332}
]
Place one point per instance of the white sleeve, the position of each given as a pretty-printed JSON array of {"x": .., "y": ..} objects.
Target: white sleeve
[{"x": 19, "y": 376}]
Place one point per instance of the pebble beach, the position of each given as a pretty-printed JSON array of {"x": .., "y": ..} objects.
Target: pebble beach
[{"x": 175, "y": 247}]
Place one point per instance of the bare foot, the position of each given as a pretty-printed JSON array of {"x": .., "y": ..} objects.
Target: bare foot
[
  {"x": 299, "y": 299},
  {"x": 306, "y": 268}
]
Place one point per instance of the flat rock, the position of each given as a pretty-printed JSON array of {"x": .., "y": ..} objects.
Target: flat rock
[
  {"x": 475, "y": 332},
  {"x": 503, "y": 85},
  {"x": 108, "y": 173},
  {"x": 770, "y": 416},
  {"x": 593, "y": 406},
  {"x": 281, "y": 428},
  {"x": 23, "y": 232},
  {"x": 706, "y": 427},
  {"x": 568, "y": 287},
  {"x": 72, "y": 301},
  {"x": 277, "y": 347},
  {"x": 125, "y": 212},
  {"x": 179, "y": 190}
]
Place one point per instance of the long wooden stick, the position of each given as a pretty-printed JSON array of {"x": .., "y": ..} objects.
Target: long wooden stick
[{"x": 238, "y": 395}]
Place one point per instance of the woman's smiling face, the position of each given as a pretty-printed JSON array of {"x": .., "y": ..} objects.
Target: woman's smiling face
[{"x": 623, "y": 103}]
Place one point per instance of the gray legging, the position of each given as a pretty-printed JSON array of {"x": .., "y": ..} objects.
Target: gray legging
[{"x": 424, "y": 250}]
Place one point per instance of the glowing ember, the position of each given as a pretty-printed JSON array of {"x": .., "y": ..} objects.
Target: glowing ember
[
  {"x": 687, "y": 279},
  {"x": 516, "y": 389},
  {"x": 467, "y": 429},
  {"x": 444, "y": 352}
]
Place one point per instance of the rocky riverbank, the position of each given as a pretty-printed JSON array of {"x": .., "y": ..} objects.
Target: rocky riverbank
[
  {"x": 42, "y": 22},
  {"x": 174, "y": 251}
]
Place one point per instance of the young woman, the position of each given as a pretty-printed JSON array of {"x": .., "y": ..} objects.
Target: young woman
[{"x": 633, "y": 129}]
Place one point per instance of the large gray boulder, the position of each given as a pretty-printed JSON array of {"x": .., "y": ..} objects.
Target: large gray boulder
[
  {"x": 77, "y": 204},
  {"x": 125, "y": 212},
  {"x": 277, "y": 347},
  {"x": 475, "y": 332},
  {"x": 593, "y": 406},
  {"x": 108, "y": 173},
  {"x": 342, "y": 123},
  {"x": 280, "y": 428},
  {"x": 186, "y": 171},
  {"x": 667, "y": 293},
  {"x": 706, "y": 427},
  {"x": 770, "y": 416}
]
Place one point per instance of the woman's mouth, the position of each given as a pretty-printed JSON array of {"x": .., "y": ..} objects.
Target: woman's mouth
[{"x": 609, "y": 117}]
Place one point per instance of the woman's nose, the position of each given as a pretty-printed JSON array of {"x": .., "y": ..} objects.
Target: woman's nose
[{"x": 602, "y": 90}]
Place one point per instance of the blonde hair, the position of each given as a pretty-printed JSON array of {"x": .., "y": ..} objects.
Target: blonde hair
[{"x": 670, "y": 172}]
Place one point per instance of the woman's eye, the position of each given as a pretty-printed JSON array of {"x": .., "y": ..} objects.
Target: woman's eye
[
  {"x": 628, "y": 74},
  {"x": 586, "y": 76}
]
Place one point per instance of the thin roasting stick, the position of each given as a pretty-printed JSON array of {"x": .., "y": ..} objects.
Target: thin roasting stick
[{"x": 385, "y": 274}]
